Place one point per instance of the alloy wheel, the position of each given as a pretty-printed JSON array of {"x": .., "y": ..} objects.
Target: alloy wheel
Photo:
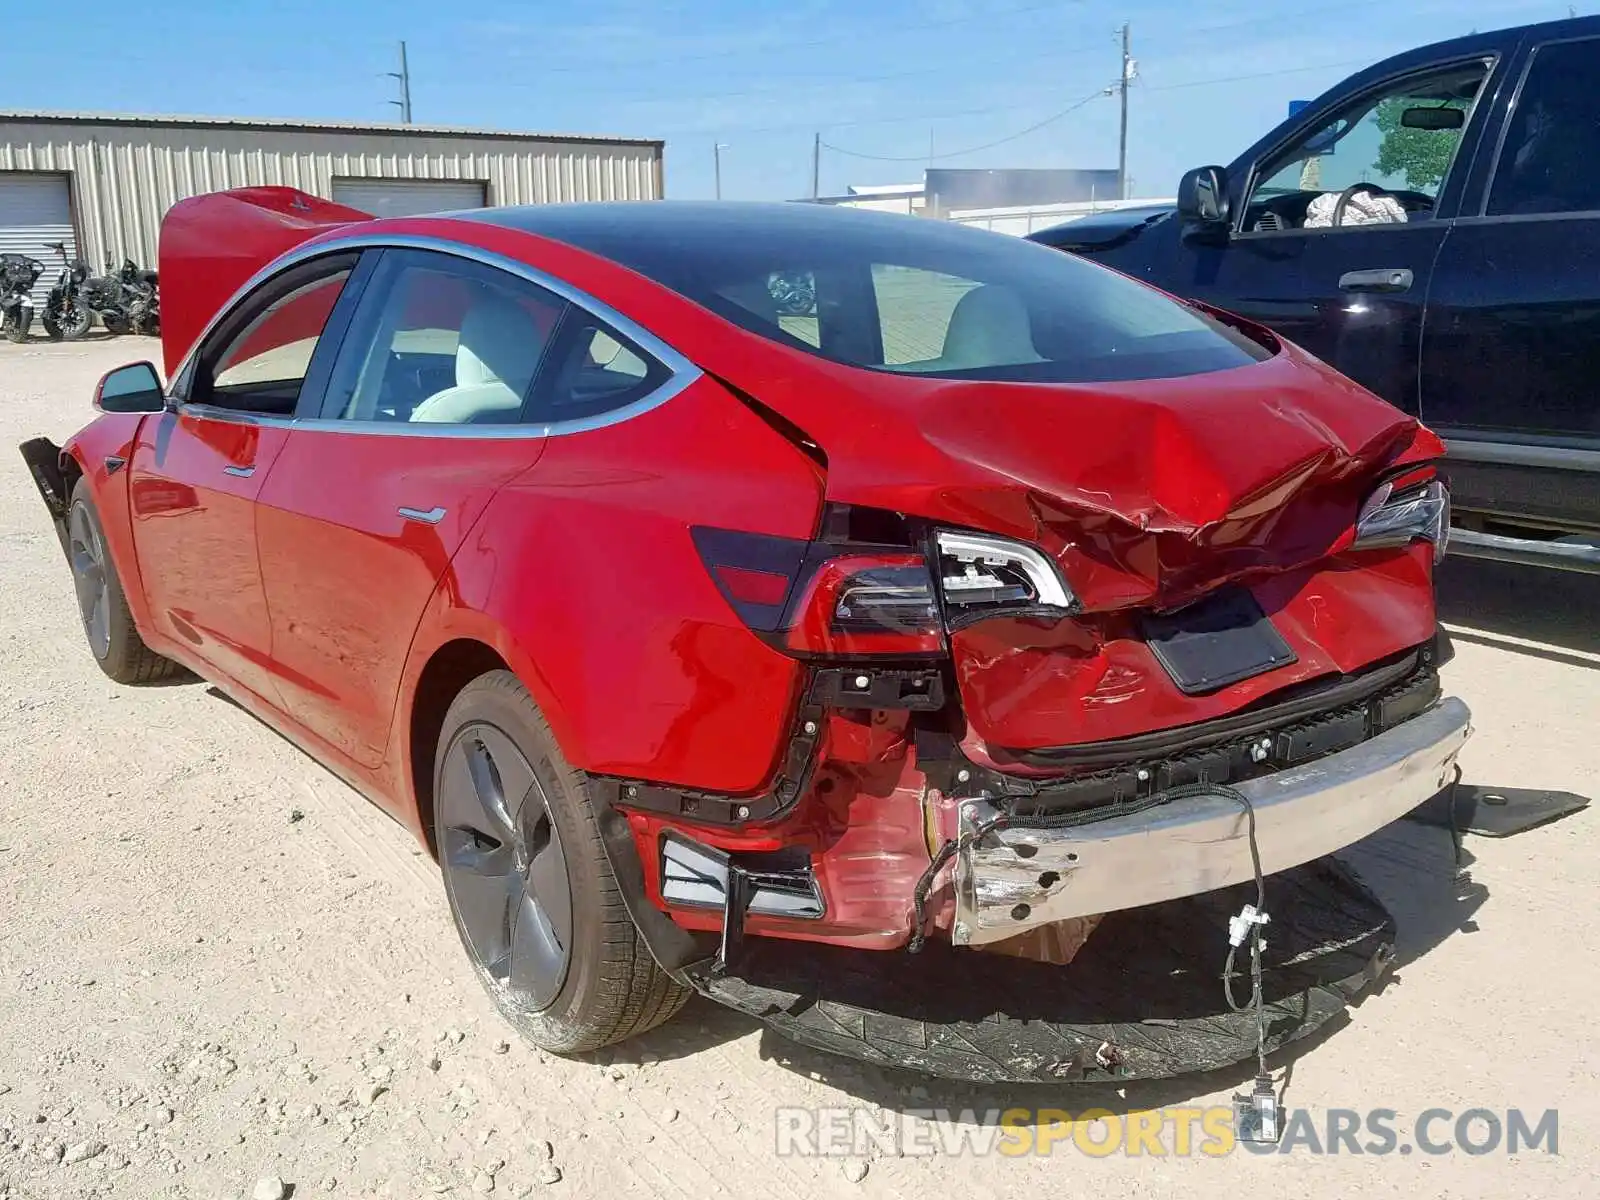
[
  {"x": 503, "y": 865},
  {"x": 88, "y": 557}
]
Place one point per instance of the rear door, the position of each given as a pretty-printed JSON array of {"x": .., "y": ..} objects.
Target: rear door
[
  {"x": 1351, "y": 294},
  {"x": 1511, "y": 358},
  {"x": 196, "y": 472},
  {"x": 384, "y": 476}
]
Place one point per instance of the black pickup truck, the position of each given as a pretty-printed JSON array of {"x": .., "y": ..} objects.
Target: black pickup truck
[{"x": 1431, "y": 227}]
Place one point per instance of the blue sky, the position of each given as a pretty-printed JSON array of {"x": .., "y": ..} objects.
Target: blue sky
[{"x": 882, "y": 78}]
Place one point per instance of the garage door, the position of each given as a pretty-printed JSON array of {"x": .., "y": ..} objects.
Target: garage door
[
  {"x": 408, "y": 197},
  {"x": 34, "y": 210}
]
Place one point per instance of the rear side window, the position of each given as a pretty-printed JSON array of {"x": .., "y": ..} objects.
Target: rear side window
[
  {"x": 1550, "y": 159},
  {"x": 592, "y": 370},
  {"x": 439, "y": 340},
  {"x": 922, "y": 297}
]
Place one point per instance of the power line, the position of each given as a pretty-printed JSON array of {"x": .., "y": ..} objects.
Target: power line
[
  {"x": 855, "y": 35},
  {"x": 1095, "y": 95},
  {"x": 921, "y": 118}
]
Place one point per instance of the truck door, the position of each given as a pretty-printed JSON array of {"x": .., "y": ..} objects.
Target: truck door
[
  {"x": 1352, "y": 293},
  {"x": 1511, "y": 356}
]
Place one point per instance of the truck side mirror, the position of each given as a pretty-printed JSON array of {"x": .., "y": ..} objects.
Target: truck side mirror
[{"x": 1203, "y": 204}]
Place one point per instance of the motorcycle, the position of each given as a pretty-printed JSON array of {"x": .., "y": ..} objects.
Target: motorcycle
[
  {"x": 18, "y": 274},
  {"x": 794, "y": 292},
  {"x": 126, "y": 299},
  {"x": 129, "y": 301},
  {"x": 66, "y": 315}
]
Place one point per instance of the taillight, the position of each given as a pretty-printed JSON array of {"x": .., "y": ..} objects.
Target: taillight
[
  {"x": 985, "y": 576},
  {"x": 847, "y": 599},
  {"x": 1413, "y": 505},
  {"x": 875, "y": 603}
]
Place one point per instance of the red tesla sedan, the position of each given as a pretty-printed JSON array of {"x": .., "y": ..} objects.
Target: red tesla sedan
[{"x": 692, "y": 578}]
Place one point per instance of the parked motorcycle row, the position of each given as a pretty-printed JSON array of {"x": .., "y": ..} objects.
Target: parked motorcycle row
[{"x": 126, "y": 299}]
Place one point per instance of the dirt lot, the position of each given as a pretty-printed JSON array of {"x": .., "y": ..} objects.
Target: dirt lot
[{"x": 218, "y": 965}]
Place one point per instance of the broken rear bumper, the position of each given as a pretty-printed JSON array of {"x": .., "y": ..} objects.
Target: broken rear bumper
[{"x": 1018, "y": 877}]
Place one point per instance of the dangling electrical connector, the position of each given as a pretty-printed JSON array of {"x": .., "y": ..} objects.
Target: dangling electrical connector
[{"x": 1256, "y": 1117}]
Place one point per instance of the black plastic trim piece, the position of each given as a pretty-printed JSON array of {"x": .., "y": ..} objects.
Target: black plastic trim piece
[
  {"x": 718, "y": 808},
  {"x": 918, "y": 690},
  {"x": 672, "y": 946},
  {"x": 1258, "y": 752}
]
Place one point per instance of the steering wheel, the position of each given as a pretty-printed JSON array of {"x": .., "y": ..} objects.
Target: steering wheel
[{"x": 1349, "y": 193}]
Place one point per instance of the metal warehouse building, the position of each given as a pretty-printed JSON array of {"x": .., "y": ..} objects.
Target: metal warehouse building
[{"x": 101, "y": 183}]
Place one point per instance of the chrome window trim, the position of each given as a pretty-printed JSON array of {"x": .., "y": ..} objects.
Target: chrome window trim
[{"x": 681, "y": 371}]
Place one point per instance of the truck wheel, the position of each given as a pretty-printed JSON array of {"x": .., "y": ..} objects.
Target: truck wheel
[
  {"x": 530, "y": 887},
  {"x": 107, "y": 623}
]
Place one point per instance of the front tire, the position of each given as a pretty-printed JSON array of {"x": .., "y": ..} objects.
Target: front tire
[
  {"x": 530, "y": 887},
  {"x": 67, "y": 320},
  {"x": 103, "y": 606},
  {"x": 13, "y": 328}
]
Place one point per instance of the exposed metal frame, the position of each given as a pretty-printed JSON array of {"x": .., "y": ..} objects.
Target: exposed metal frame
[{"x": 681, "y": 371}]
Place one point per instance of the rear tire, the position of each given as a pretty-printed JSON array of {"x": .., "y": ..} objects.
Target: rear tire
[
  {"x": 530, "y": 887},
  {"x": 102, "y": 605}
]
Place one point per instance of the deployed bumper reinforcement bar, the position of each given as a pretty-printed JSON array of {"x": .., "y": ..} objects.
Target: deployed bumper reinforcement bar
[{"x": 1017, "y": 878}]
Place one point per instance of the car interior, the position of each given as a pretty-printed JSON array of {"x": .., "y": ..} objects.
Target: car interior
[{"x": 1383, "y": 147}]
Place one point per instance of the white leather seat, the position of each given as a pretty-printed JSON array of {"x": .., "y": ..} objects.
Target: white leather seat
[
  {"x": 989, "y": 327},
  {"x": 496, "y": 356}
]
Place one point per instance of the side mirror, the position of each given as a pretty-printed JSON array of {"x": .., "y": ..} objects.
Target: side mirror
[
  {"x": 1433, "y": 118},
  {"x": 135, "y": 388},
  {"x": 1203, "y": 203}
]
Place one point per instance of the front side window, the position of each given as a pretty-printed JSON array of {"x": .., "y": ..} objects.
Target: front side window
[
  {"x": 441, "y": 340},
  {"x": 1550, "y": 159},
  {"x": 261, "y": 367},
  {"x": 1382, "y": 160}
]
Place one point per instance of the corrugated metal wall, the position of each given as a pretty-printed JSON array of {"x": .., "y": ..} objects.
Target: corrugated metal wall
[{"x": 125, "y": 176}]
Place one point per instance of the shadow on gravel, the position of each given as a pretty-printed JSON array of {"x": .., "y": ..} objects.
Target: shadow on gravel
[
  {"x": 1558, "y": 608},
  {"x": 1409, "y": 866}
]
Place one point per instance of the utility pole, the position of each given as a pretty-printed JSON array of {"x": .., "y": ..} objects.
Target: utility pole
[
  {"x": 716, "y": 158},
  {"x": 816, "y": 165},
  {"x": 1122, "y": 87},
  {"x": 404, "y": 76}
]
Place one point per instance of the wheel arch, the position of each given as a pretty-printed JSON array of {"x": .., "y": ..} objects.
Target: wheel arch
[
  {"x": 449, "y": 669},
  {"x": 455, "y": 644}
]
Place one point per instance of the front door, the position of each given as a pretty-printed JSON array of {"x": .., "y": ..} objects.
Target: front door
[
  {"x": 196, "y": 473},
  {"x": 1338, "y": 230},
  {"x": 385, "y": 475},
  {"x": 1511, "y": 359}
]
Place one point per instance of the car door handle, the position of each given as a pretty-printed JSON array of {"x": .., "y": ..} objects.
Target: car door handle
[
  {"x": 428, "y": 516},
  {"x": 239, "y": 472},
  {"x": 1389, "y": 279}
]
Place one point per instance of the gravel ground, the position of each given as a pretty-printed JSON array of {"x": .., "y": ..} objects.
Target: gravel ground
[{"x": 223, "y": 974}]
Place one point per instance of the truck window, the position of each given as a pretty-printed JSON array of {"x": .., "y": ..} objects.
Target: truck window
[
  {"x": 1550, "y": 159},
  {"x": 1399, "y": 141}
]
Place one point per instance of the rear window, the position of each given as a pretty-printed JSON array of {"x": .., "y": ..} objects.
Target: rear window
[{"x": 917, "y": 296}]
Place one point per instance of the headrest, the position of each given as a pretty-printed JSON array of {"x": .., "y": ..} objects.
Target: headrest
[{"x": 989, "y": 327}]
